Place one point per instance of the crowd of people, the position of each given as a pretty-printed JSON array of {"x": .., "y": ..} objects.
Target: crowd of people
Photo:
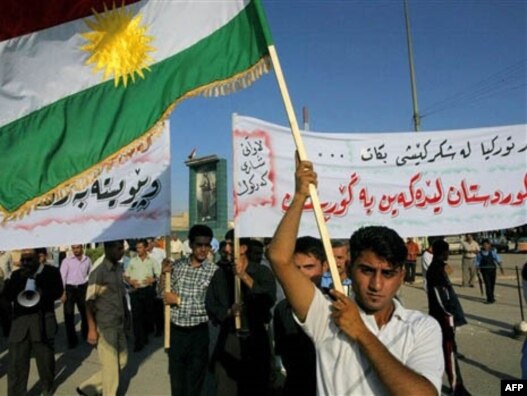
[{"x": 362, "y": 341}]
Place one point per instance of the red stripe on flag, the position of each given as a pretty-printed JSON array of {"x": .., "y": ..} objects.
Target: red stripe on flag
[{"x": 18, "y": 17}]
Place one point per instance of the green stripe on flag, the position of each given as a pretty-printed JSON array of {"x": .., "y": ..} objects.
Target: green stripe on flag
[
  {"x": 265, "y": 27},
  {"x": 52, "y": 145}
]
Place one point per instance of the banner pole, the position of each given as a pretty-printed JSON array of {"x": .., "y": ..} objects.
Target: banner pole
[
  {"x": 237, "y": 288},
  {"x": 519, "y": 292},
  {"x": 168, "y": 255},
  {"x": 324, "y": 235},
  {"x": 235, "y": 258}
]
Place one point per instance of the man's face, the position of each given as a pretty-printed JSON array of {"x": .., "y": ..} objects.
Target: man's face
[
  {"x": 341, "y": 258},
  {"x": 257, "y": 253},
  {"x": 150, "y": 245},
  {"x": 28, "y": 258},
  {"x": 141, "y": 249},
  {"x": 42, "y": 258},
  {"x": 469, "y": 238},
  {"x": 310, "y": 266},
  {"x": 200, "y": 248},
  {"x": 77, "y": 250},
  {"x": 487, "y": 246},
  {"x": 375, "y": 282},
  {"x": 229, "y": 250},
  {"x": 115, "y": 252},
  {"x": 223, "y": 253}
]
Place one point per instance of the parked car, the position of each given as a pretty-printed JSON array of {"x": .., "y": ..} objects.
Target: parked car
[
  {"x": 454, "y": 244},
  {"x": 501, "y": 244},
  {"x": 521, "y": 245}
]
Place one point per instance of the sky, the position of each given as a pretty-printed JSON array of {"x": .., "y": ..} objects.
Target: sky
[{"x": 347, "y": 61}]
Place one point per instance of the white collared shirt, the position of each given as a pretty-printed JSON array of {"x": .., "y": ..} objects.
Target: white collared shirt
[{"x": 342, "y": 369}]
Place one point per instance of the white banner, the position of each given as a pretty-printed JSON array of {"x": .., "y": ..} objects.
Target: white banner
[
  {"x": 420, "y": 184},
  {"x": 131, "y": 200}
]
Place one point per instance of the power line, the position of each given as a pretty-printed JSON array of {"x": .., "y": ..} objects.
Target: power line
[{"x": 503, "y": 81}]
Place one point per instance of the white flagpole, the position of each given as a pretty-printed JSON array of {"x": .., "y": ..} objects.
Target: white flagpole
[
  {"x": 324, "y": 235},
  {"x": 167, "y": 275}
]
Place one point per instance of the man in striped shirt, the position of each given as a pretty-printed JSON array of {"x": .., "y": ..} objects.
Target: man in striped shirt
[{"x": 189, "y": 332}]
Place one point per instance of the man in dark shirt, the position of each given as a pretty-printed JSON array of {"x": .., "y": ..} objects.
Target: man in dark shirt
[
  {"x": 241, "y": 361},
  {"x": 34, "y": 324},
  {"x": 444, "y": 306},
  {"x": 108, "y": 317},
  {"x": 291, "y": 343},
  {"x": 487, "y": 261}
]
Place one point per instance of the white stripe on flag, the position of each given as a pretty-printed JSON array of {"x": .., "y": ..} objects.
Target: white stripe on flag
[{"x": 40, "y": 68}]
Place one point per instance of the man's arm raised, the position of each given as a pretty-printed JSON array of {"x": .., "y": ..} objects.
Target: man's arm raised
[{"x": 297, "y": 287}]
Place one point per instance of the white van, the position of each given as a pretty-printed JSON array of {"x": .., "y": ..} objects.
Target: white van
[{"x": 454, "y": 244}]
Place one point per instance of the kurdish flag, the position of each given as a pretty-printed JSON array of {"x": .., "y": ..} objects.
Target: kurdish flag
[{"x": 86, "y": 84}]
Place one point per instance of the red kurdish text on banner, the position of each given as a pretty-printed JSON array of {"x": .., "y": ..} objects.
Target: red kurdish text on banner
[{"x": 431, "y": 183}]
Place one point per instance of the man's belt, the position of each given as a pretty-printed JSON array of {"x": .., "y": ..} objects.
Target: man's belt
[{"x": 77, "y": 286}]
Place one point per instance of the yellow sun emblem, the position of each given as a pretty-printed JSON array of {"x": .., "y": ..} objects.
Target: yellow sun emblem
[{"x": 118, "y": 44}]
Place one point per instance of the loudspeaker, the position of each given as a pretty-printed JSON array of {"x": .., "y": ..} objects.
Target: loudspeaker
[{"x": 29, "y": 297}]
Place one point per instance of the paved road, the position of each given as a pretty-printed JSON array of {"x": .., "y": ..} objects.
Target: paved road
[{"x": 491, "y": 353}]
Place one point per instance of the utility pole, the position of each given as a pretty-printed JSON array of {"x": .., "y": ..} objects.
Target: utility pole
[
  {"x": 416, "y": 117},
  {"x": 305, "y": 118}
]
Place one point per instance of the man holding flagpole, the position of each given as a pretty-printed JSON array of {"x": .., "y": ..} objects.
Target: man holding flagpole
[
  {"x": 189, "y": 332},
  {"x": 242, "y": 357},
  {"x": 369, "y": 344}
]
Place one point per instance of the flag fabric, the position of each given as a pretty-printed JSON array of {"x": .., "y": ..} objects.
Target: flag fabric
[
  {"x": 130, "y": 200},
  {"x": 430, "y": 183},
  {"x": 84, "y": 85}
]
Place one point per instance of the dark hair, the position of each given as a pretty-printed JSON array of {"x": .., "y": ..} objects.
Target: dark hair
[
  {"x": 229, "y": 235},
  {"x": 382, "y": 241},
  {"x": 198, "y": 230},
  {"x": 255, "y": 250},
  {"x": 222, "y": 245},
  {"x": 337, "y": 243},
  {"x": 486, "y": 240},
  {"x": 439, "y": 247},
  {"x": 313, "y": 246},
  {"x": 245, "y": 242},
  {"x": 143, "y": 242},
  {"x": 41, "y": 250},
  {"x": 431, "y": 239},
  {"x": 110, "y": 244}
]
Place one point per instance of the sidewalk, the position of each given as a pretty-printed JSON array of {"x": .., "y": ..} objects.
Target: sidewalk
[
  {"x": 491, "y": 353},
  {"x": 145, "y": 374}
]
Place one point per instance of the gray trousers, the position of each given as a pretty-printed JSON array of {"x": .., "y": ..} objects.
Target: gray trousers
[{"x": 19, "y": 360}]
